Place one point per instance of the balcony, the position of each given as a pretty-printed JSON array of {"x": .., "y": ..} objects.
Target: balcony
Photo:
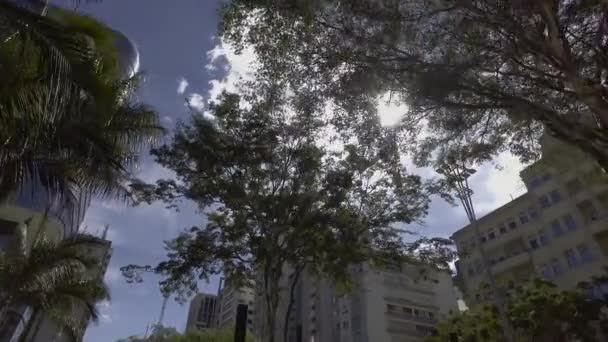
[
  {"x": 410, "y": 317},
  {"x": 511, "y": 262}
]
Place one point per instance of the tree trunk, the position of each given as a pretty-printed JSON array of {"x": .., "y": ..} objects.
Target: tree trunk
[
  {"x": 272, "y": 277},
  {"x": 292, "y": 287}
]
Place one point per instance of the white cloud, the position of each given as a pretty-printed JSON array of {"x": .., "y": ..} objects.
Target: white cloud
[
  {"x": 182, "y": 85},
  {"x": 238, "y": 68},
  {"x": 196, "y": 101}
]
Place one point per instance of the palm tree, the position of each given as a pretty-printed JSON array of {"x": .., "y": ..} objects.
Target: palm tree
[
  {"x": 55, "y": 280},
  {"x": 68, "y": 121}
]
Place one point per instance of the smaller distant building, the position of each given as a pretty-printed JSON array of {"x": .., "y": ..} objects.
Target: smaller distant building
[{"x": 202, "y": 312}]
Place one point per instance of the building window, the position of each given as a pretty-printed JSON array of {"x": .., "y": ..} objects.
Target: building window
[
  {"x": 571, "y": 258},
  {"x": 345, "y": 324},
  {"x": 483, "y": 239},
  {"x": 556, "y": 197},
  {"x": 492, "y": 262},
  {"x": 416, "y": 312},
  {"x": 585, "y": 253},
  {"x": 523, "y": 218},
  {"x": 533, "y": 213},
  {"x": 544, "y": 201},
  {"x": 543, "y": 238},
  {"x": 546, "y": 177},
  {"x": 573, "y": 187},
  {"x": 588, "y": 211},
  {"x": 557, "y": 229},
  {"x": 491, "y": 235},
  {"x": 407, "y": 310},
  {"x": 570, "y": 222},
  {"x": 546, "y": 271},
  {"x": 502, "y": 229},
  {"x": 533, "y": 243},
  {"x": 535, "y": 182},
  {"x": 390, "y": 307},
  {"x": 556, "y": 267},
  {"x": 512, "y": 225}
]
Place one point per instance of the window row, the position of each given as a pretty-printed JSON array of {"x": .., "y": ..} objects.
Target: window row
[
  {"x": 572, "y": 258},
  {"x": 537, "y": 181},
  {"x": 410, "y": 311},
  {"x": 559, "y": 227}
]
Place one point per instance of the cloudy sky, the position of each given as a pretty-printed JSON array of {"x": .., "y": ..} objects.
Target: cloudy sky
[{"x": 186, "y": 65}]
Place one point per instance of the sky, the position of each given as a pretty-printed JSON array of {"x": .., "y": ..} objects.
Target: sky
[{"x": 185, "y": 64}]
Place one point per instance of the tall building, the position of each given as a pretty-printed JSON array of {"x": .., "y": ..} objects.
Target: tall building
[
  {"x": 202, "y": 312},
  {"x": 557, "y": 230},
  {"x": 229, "y": 298},
  {"x": 400, "y": 304}
]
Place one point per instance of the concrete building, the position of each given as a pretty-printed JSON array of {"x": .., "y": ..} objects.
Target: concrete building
[
  {"x": 228, "y": 300},
  {"x": 396, "y": 305},
  {"x": 202, "y": 313},
  {"x": 557, "y": 230}
]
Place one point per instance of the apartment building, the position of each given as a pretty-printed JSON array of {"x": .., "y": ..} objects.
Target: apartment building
[
  {"x": 229, "y": 299},
  {"x": 202, "y": 313},
  {"x": 557, "y": 230},
  {"x": 396, "y": 305}
]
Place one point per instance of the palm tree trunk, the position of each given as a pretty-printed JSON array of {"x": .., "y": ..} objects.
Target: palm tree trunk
[
  {"x": 28, "y": 327},
  {"x": 31, "y": 334}
]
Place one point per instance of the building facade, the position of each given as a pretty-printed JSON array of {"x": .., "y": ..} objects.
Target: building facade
[
  {"x": 557, "y": 230},
  {"x": 229, "y": 299},
  {"x": 396, "y": 305},
  {"x": 202, "y": 313}
]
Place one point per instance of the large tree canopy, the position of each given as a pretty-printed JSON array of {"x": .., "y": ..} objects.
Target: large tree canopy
[
  {"x": 278, "y": 195},
  {"x": 488, "y": 74},
  {"x": 538, "y": 311}
]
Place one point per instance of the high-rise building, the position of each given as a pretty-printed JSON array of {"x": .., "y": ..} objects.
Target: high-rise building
[
  {"x": 229, "y": 299},
  {"x": 557, "y": 230},
  {"x": 202, "y": 312},
  {"x": 398, "y": 304}
]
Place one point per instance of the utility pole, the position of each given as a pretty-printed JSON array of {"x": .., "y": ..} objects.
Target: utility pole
[{"x": 457, "y": 173}]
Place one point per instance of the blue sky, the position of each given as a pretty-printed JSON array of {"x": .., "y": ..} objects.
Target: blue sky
[{"x": 182, "y": 59}]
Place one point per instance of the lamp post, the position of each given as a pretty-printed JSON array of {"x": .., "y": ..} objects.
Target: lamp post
[{"x": 456, "y": 174}]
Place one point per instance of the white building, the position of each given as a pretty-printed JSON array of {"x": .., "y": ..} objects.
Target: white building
[{"x": 396, "y": 305}]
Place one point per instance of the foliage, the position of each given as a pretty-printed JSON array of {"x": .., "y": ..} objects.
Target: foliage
[
  {"x": 538, "y": 311},
  {"x": 69, "y": 124},
  {"x": 54, "y": 279},
  {"x": 485, "y": 74},
  {"x": 276, "y": 195},
  {"x": 163, "y": 334}
]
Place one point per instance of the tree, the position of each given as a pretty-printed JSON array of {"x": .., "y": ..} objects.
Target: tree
[
  {"x": 163, "y": 334},
  {"x": 69, "y": 120},
  {"x": 538, "y": 311},
  {"x": 277, "y": 198},
  {"x": 54, "y": 279},
  {"x": 490, "y": 74}
]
